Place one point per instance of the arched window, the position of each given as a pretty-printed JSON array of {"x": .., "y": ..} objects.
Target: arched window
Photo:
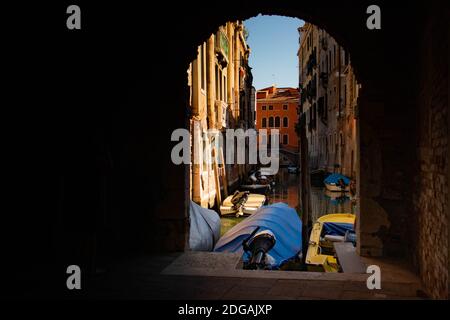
[
  {"x": 285, "y": 122},
  {"x": 271, "y": 122},
  {"x": 264, "y": 122},
  {"x": 277, "y": 122}
]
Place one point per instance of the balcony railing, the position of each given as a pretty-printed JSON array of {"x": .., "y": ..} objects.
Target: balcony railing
[{"x": 222, "y": 46}]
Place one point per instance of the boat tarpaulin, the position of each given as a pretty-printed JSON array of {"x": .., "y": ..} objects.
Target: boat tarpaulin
[
  {"x": 205, "y": 228},
  {"x": 281, "y": 220},
  {"x": 334, "y": 178},
  {"x": 337, "y": 228}
]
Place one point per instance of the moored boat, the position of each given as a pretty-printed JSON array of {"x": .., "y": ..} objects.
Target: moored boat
[
  {"x": 242, "y": 203},
  {"x": 337, "y": 182},
  {"x": 328, "y": 229},
  {"x": 256, "y": 188},
  {"x": 204, "y": 229},
  {"x": 267, "y": 239},
  {"x": 293, "y": 169}
]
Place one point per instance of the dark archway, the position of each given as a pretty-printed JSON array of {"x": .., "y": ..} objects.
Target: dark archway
[{"x": 106, "y": 128}]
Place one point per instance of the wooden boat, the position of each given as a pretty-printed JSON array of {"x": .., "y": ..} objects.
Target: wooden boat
[
  {"x": 328, "y": 229},
  {"x": 266, "y": 172},
  {"x": 256, "y": 188},
  {"x": 242, "y": 203},
  {"x": 293, "y": 169},
  {"x": 337, "y": 183},
  {"x": 335, "y": 188}
]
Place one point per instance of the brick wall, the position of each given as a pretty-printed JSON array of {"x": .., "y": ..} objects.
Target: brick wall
[{"x": 430, "y": 199}]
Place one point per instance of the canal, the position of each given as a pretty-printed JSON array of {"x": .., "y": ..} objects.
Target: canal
[{"x": 286, "y": 190}]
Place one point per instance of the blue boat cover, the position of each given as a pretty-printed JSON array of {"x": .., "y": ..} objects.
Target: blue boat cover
[
  {"x": 205, "y": 228},
  {"x": 334, "y": 178},
  {"x": 336, "y": 229},
  {"x": 281, "y": 220}
]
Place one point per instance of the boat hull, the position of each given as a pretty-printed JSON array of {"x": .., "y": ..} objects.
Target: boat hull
[
  {"x": 319, "y": 256},
  {"x": 335, "y": 188},
  {"x": 250, "y": 206},
  {"x": 256, "y": 188},
  {"x": 281, "y": 221}
]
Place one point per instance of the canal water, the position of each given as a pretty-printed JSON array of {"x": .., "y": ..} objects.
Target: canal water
[
  {"x": 287, "y": 190},
  {"x": 324, "y": 202}
]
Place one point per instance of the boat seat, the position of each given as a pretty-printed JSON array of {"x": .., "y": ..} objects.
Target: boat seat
[{"x": 332, "y": 238}]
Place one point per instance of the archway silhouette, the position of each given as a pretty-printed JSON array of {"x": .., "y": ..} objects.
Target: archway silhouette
[
  {"x": 107, "y": 125},
  {"x": 360, "y": 53}
]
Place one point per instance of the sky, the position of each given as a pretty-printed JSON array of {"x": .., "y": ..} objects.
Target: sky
[{"x": 273, "y": 41}]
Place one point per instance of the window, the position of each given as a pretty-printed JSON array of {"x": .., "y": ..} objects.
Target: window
[
  {"x": 285, "y": 139},
  {"x": 346, "y": 58},
  {"x": 285, "y": 122},
  {"x": 264, "y": 123},
  {"x": 285, "y": 106},
  {"x": 345, "y": 95},
  {"x": 277, "y": 122},
  {"x": 334, "y": 55},
  {"x": 270, "y": 107},
  {"x": 220, "y": 86},
  {"x": 224, "y": 84},
  {"x": 329, "y": 61},
  {"x": 271, "y": 122},
  {"x": 263, "y": 108}
]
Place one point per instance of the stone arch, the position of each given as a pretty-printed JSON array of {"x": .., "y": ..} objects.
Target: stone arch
[
  {"x": 361, "y": 45},
  {"x": 129, "y": 94}
]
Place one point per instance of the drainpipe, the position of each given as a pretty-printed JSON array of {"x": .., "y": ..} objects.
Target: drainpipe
[
  {"x": 211, "y": 82},
  {"x": 237, "y": 57},
  {"x": 339, "y": 109},
  {"x": 230, "y": 77},
  {"x": 305, "y": 183}
]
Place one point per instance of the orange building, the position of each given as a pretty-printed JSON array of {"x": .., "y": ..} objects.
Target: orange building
[{"x": 277, "y": 108}]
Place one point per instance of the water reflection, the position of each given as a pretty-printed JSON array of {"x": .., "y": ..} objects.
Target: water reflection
[
  {"x": 286, "y": 189},
  {"x": 325, "y": 202}
]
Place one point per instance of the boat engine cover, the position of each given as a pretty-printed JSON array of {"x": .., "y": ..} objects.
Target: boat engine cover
[{"x": 281, "y": 220}]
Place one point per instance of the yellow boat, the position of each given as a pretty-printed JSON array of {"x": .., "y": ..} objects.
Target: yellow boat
[{"x": 327, "y": 229}]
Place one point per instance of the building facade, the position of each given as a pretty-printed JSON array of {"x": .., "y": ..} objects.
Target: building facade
[
  {"x": 328, "y": 101},
  {"x": 221, "y": 97},
  {"x": 277, "y": 108}
]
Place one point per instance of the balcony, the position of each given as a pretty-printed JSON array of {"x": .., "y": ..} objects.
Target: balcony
[
  {"x": 324, "y": 42},
  {"x": 222, "y": 47}
]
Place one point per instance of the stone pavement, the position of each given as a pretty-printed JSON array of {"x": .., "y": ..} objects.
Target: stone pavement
[{"x": 155, "y": 277}]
